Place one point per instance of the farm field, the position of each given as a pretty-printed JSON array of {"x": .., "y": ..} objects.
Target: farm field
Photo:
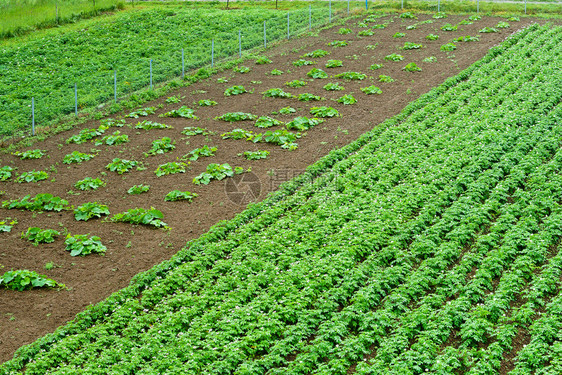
[{"x": 335, "y": 276}]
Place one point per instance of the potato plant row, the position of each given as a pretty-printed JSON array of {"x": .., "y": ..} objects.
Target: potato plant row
[{"x": 426, "y": 228}]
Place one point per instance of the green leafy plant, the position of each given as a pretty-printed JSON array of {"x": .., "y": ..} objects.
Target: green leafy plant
[
  {"x": 151, "y": 217},
  {"x": 302, "y": 123},
  {"x": 467, "y": 38},
  {"x": 138, "y": 189},
  {"x": 394, "y": 57},
  {"x": 448, "y": 47},
  {"x": 81, "y": 244},
  {"x": 113, "y": 139},
  {"x": 502, "y": 25},
  {"x": 347, "y": 99},
  {"x": 324, "y": 112},
  {"x": 41, "y": 202},
  {"x": 195, "y": 130},
  {"x": 439, "y": 15},
  {"x": 111, "y": 122},
  {"x": 38, "y": 235},
  {"x": 408, "y": 15},
  {"x": 449, "y": 27},
  {"x": 411, "y": 27},
  {"x": 307, "y": 97},
  {"x": 235, "y": 90},
  {"x": 379, "y": 26},
  {"x": 412, "y": 67},
  {"x": 206, "y": 103},
  {"x": 237, "y": 116},
  {"x": 149, "y": 125},
  {"x": 334, "y": 63},
  {"x": 183, "y": 111},
  {"x": 370, "y": 90},
  {"x": 6, "y": 172},
  {"x": 89, "y": 183},
  {"x": 21, "y": 280},
  {"x": 261, "y": 60},
  {"x": 296, "y": 83},
  {"x": 173, "y": 99},
  {"x": 216, "y": 172},
  {"x": 222, "y": 80},
  {"x": 303, "y": 62},
  {"x": 267, "y": 122},
  {"x": 352, "y": 76},
  {"x": 385, "y": 78},
  {"x": 375, "y": 66},
  {"x": 316, "y": 54},
  {"x": 32, "y": 176},
  {"x": 238, "y": 134},
  {"x": 333, "y": 86},
  {"x": 142, "y": 112},
  {"x": 90, "y": 210},
  {"x": 317, "y": 73},
  {"x": 371, "y": 46},
  {"x": 161, "y": 146},
  {"x": 204, "y": 151},
  {"x": 465, "y": 22},
  {"x": 410, "y": 45},
  {"x": 344, "y": 31},
  {"x": 287, "y": 110},
  {"x": 77, "y": 157},
  {"x": 276, "y": 72},
  {"x": 177, "y": 195},
  {"x": 122, "y": 165},
  {"x": 86, "y": 135},
  {"x": 399, "y": 35},
  {"x": 254, "y": 155},
  {"x": 430, "y": 59},
  {"x": 280, "y": 137},
  {"x": 276, "y": 93},
  {"x": 514, "y": 19},
  {"x": 241, "y": 69},
  {"x": 170, "y": 168},
  {"x": 7, "y": 224},
  {"x": 338, "y": 43},
  {"x": 432, "y": 37},
  {"x": 366, "y": 33},
  {"x": 30, "y": 154}
]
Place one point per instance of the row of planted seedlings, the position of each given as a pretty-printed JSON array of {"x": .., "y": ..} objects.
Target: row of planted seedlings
[{"x": 264, "y": 289}]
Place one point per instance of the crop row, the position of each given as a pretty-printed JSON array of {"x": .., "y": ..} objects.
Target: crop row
[{"x": 313, "y": 277}]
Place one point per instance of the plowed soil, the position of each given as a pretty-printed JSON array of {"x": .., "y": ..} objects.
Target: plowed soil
[{"x": 25, "y": 316}]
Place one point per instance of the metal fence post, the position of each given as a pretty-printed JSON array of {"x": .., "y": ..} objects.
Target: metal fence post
[
  {"x": 115, "y": 85},
  {"x": 182, "y": 64},
  {"x": 477, "y": 6},
  {"x": 438, "y": 6},
  {"x": 309, "y": 17},
  {"x": 264, "y": 36},
  {"x": 33, "y": 116},
  {"x": 239, "y": 43},
  {"x": 212, "y": 53},
  {"x": 348, "y": 7},
  {"x": 402, "y": 4},
  {"x": 151, "y": 74},
  {"x": 330, "y": 11},
  {"x": 76, "y": 99},
  {"x": 288, "y": 32},
  {"x": 525, "y": 6},
  {"x": 366, "y": 4}
]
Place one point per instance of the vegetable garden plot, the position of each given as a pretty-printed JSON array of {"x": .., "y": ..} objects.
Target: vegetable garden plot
[{"x": 429, "y": 227}]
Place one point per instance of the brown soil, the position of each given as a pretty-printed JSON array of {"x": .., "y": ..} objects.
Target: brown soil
[{"x": 25, "y": 316}]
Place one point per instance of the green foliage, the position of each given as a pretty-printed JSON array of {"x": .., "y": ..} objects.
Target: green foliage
[
  {"x": 7, "y": 224},
  {"x": 195, "y": 130},
  {"x": 85, "y": 135},
  {"x": 338, "y": 43},
  {"x": 30, "y": 154},
  {"x": 385, "y": 78},
  {"x": 170, "y": 168},
  {"x": 206, "y": 103},
  {"x": 408, "y": 15},
  {"x": 394, "y": 57},
  {"x": 89, "y": 183},
  {"x": 81, "y": 244},
  {"x": 177, "y": 195},
  {"x": 287, "y": 110},
  {"x": 267, "y": 122},
  {"x": 410, "y": 45},
  {"x": 296, "y": 83},
  {"x": 334, "y": 63},
  {"x": 467, "y": 38},
  {"x": 38, "y": 235},
  {"x": 514, "y": 19},
  {"x": 488, "y": 30},
  {"x": 32, "y": 176},
  {"x": 6, "y": 172},
  {"x": 307, "y": 97},
  {"x": 379, "y": 26},
  {"x": 216, "y": 172},
  {"x": 439, "y": 15},
  {"x": 151, "y": 217},
  {"x": 465, "y": 22},
  {"x": 237, "y": 116},
  {"x": 276, "y": 93},
  {"x": 143, "y": 112},
  {"x": 161, "y": 146},
  {"x": 238, "y": 134},
  {"x": 302, "y": 123},
  {"x": 412, "y": 67},
  {"x": 430, "y": 59},
  {"x": 122, "y": 165},
  {"x": 280, "y": 137},
  {"x": 370, "y": 90},
  {"x": 173, "y": 99},
  {"x": 449, "y": 27},
  {"x": 241, "y": 69},
  {"x": 317, "y": 53},
  {"x": 149, "y": 125},
  {"x": 276, "y": 72},
  {"x": 344, "y": 31},
  {"x": 41, "y": 202},
  {"x": 183, "y": 111},
  {"x": 375, "y": 66},
  {"x": 77, "y": 157},
  {"x": 317, "y": 73},
  {"x": 371, "y": 46},
  {"x": 432, "y": 37},
  {"x": 347, "y": 99},
  {"x": 90, "y": 210},
  {"x": 138, "y": 189},
  {"x": 333, "y": 86},
  {"x": 21, "y": 280},
  {"x": 111, "y": 122},
  {"x": 204, "y": 151},
  {"x": 399, "y": 35},
  {"x": 113, "y": 139},
  {"x": 303, "y": 62},
  {"x": 324, "y": 112},
  {"x": 235, "y": 90},
  {"x": 352, "y": 76},
  {"x": 502, "y": 25},
  {"x": 366, "y": 33},
  {"x": 254, "y": 155},
  {"x": 261, "y": 60},
  {"x": 448, "y": 47}
]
